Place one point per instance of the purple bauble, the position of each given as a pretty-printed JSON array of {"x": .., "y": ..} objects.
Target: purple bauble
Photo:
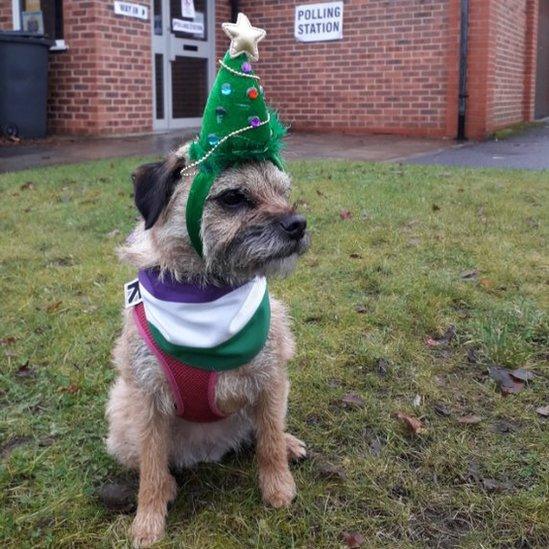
[{"x": 254, "y": 121}]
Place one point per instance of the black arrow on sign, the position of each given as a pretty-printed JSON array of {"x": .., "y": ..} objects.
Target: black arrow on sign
[{"x": 134, "y": 289}]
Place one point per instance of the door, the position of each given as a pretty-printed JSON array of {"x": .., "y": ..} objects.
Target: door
[
  {"x": 183, "y": 61},
  {"x": 542, "y": 71}
]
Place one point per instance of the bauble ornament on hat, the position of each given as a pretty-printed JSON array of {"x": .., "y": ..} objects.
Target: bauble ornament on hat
[{"x": 237, "y": 125}]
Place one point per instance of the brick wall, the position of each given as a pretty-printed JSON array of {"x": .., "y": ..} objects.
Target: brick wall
[
  {"x": 103, "y": 83},
  {"x": 501, "y": 69},
  {"x": 6, "y": 21},
  {"x": 532, "y": 26},
  {"x": 390, "y": 73},
  {"x": 509, "y": 21},
  {"x": 395, "y": 71},
  {"x": 222, "y": 15}
]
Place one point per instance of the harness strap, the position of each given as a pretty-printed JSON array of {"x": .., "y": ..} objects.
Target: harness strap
[{"x": 193, "y": 388}]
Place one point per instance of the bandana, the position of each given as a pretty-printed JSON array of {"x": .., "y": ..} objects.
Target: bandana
[{"x": 212, "y": 328}]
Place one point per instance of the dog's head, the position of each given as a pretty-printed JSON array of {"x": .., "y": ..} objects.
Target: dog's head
[{"x": 248, "y": 225}]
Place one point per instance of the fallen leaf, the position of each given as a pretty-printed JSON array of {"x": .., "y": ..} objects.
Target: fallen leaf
[
  {"x": 44, "y": 442},
  {"x": 417, "y": 401},
  {"x": 503, "y": 427},
  {"x": 413, "y": 423},
  {"x": 486, "y": 283},
  {"x": 71, "y": 389},
  {"x": 522, "y": 374},
  {"x": 471, "y": 419},
  {"x": 517, "y": 387},
  {"x": 53, "y": 306},
  {"x": 5, "y": 341},
  {"x": 468, "y": 275},
  {"x": 28, "y": 186},
  {"x": 442, "y": 410},
  {"x": 493, "y": 485},
  {"x": 25, "y": 371},
  {"x": 329, "y": 471},
  {"x": 446, "y": 338},
  {"x": 345, "y": 214},
  {"x": 353, "y": 540},
  {"x": 543, "y": 411},
  {"x": 505, "y": 381},
  {"x": 352, "y": 400}
]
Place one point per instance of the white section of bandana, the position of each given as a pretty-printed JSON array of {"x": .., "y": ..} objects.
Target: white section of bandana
[{"x": 205, "y": 325}]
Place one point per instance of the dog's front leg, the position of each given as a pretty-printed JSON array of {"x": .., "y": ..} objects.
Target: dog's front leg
[
  {"x": 156, "y": 485},
  {"x": 275, "y": 480}
]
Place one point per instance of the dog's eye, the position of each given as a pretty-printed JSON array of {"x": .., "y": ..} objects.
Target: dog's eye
[{"x": 233, "y": 199}]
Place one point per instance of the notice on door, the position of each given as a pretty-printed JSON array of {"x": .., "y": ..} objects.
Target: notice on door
[
  {"x": 195, "y": 28},
  {"x": 131, "y": 10},
  {"x": 319, "y": 22}
]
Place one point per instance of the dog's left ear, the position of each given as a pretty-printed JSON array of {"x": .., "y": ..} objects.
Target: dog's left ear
[{"x": 153, "y": 186}]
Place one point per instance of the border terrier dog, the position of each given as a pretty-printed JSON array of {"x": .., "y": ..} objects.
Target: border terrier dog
[{"x": 249, "y": 229}]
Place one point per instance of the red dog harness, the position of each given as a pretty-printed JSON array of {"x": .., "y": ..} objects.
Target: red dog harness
[{"x": 193, "y": 388}]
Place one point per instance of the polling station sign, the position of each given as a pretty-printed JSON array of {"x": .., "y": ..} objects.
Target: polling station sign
[{"x": 319, "y": 22}]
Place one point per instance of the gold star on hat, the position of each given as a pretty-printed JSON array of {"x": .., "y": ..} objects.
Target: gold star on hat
[{"x": 244, "y": 37}]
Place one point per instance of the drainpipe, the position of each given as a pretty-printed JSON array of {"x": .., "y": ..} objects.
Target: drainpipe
[
  {"x": 234, "y": 9},
  {"x": 462, "y": 101}
]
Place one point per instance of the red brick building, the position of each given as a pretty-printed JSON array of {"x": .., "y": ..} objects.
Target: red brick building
[{"x": 395, "y": 68}]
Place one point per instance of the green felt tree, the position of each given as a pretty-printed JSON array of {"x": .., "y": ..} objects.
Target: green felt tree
[{"x": 237, "y": 125}]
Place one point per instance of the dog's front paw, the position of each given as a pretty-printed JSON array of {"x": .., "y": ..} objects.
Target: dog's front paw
[
  {"x": 296, "y": 448},
  {"x": 278, "y": 489},
  {"x": 147, "y": 528}
]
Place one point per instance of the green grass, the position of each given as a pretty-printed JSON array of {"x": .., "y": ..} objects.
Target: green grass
[{"x": 398, "y": 259}]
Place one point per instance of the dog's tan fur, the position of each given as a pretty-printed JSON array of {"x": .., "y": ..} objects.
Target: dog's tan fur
[{"x": 144, "y": 434}]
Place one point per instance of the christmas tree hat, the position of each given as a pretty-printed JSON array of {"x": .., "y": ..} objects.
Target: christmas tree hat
[{"x": 237, "y": 125}]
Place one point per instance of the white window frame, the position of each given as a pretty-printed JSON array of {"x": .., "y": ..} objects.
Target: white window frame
[{"x": 60, "y": 45}]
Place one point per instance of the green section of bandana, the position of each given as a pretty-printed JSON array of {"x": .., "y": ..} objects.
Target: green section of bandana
[
  {"x": 231, "y": 106},
  {"x": 235, "y": 352}
]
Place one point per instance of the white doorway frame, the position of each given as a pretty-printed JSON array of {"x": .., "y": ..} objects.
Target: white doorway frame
[{"x": 168, "y": 45}]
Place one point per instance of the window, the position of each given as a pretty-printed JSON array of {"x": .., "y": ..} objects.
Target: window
[{"x": 42, "y": 16}]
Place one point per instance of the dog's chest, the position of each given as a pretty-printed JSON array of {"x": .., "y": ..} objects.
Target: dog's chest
[{"x": 197, "y": 332}]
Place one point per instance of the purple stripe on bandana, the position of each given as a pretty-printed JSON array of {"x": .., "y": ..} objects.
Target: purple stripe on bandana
[{"x": 168, "y": 289}]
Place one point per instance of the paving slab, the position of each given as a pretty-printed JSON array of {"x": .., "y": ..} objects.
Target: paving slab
[
  {"x": 67, "y": 150},
  {"x": 528, "y": 149}
]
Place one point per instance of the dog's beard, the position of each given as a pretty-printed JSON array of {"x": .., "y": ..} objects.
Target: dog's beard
[{"x": 260, "y": 250}]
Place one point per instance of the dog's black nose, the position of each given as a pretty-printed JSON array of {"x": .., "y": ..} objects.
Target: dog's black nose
[{"x": 294, "y": 225}]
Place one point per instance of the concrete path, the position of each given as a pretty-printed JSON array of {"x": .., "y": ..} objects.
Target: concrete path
[
  {"x": 528, "y": 149},
  {"x": 65, "y": 150}
]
